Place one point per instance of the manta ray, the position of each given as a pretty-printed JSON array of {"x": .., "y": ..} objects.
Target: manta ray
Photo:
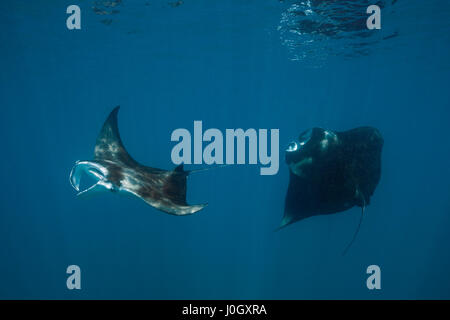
[
  {"x": 114, "y": 170},
  {"x": 331, "y": 172}
]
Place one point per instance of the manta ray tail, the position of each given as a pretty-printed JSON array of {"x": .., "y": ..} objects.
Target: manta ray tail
[
  {"x": 206, "y": 169},
  {"x": 357, "y": 230}
]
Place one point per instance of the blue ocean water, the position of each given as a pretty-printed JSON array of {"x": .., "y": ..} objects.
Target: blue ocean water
[{"x": 290, "y": 65}]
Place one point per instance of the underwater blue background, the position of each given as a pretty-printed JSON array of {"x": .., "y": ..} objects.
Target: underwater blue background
[{"x": 231, "y": 64}]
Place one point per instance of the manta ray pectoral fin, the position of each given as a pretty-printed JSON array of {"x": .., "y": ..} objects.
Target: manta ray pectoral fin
[
  {"x": 109, "y": 145},
  {"x": 287, "y": 220},
  {"x": 173, "y": 208},
  {"x": 186, "y": 210}
]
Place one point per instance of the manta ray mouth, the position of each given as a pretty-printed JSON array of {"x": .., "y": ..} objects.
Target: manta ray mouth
[{"x": 94, "y": 171}]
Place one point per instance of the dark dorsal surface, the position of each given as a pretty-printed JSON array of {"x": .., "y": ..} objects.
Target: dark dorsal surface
[
  {"x": 175, "y": 186},
  {"x": 163, "y": 189},
  {"x": 362, "y": 148},
  {"x": 109, "y": 145},
  {"x": 331, "y": 172}
]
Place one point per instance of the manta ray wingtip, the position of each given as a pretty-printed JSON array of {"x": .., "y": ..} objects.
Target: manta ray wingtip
[
  {"x": 114, "y": 111},
  {"x": 190, "y": 209},
  {"x": 284, "y": 223},
  {"x": 200, "y": 207}
]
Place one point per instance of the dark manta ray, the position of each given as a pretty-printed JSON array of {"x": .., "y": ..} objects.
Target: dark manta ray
[
  {"x": 331, "y": 172},
  {"x": 113, "y": 169}
]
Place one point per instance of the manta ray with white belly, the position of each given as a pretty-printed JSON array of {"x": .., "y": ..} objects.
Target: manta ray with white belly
[{"x": 113, "y": 169}]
